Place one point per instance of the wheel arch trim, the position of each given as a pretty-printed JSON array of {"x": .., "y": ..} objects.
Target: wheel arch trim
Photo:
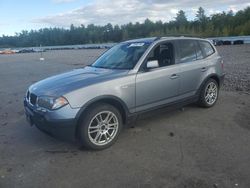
[
  {"x": 107, "y": 99},
  {"x": 213, "y": 76}
]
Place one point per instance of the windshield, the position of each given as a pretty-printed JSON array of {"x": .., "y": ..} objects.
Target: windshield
[{"x": 122, "y": 56}]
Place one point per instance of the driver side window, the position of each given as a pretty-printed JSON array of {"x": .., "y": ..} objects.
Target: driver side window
[{"x": 163, "y": 53}]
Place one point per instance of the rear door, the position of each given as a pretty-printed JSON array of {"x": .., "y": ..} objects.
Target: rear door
[{"x": 192, "y": 66}]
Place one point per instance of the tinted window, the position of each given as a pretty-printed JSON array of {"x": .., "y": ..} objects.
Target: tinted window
[
  {"x": 207, "y": 48},
  {"x": 187, "y": 49}
]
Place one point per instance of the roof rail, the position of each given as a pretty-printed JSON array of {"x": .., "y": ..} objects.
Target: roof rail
[
  {"x": 157, "y": 38},
  {"x": 182, "y": 35}
]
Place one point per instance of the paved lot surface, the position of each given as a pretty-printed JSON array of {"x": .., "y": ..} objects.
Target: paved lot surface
[{"x": 189, "y": 148}]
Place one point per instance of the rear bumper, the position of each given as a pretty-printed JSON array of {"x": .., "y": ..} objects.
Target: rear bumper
[
  {"x": 63, "y": 129},
  {"x": 222, "y": 78}
]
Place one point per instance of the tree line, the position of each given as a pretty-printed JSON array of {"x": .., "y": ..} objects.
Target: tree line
[{"x": 219, "y": 24}]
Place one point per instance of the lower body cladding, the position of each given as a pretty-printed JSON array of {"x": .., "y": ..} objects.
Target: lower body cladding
[{"x": 60, "y": 123}]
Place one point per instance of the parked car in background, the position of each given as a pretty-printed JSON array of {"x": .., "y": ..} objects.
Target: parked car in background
[
  {"x": 7, "y": 51},
  {"x": 217, "y": 42},
  {"x": 236, "y": 42},
  {"x": 26, "y": 50},
  {"x": 92, "y": 104}
]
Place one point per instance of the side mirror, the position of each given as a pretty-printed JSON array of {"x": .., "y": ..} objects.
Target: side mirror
[{"x": 152, "y": 64}]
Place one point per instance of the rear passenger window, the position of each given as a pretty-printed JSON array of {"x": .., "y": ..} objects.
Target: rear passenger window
[
  {"x": 207, "y": 48},
  {"x": 187, "y": 50}
]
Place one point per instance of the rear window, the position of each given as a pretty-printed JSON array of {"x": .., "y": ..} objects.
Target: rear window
[{"x": 207, "y": 48}]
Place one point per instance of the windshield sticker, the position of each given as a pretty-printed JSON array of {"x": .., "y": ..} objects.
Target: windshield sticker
[{"x": 136, "y": 45}]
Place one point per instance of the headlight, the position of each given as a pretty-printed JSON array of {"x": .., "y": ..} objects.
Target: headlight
[{"x": 51, "y": 103}]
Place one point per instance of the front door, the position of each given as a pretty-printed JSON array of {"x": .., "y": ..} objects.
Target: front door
[{"x": 158, "y": 86}]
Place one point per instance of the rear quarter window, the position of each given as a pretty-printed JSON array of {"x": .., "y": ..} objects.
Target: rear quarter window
[
  {"x": 199, "y": 52},
  {"x": 206, "y": 48}
]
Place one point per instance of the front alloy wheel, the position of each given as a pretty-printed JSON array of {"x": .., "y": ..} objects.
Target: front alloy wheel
[
  {"x": 100, "y": 126},
  {"x": 103, "y": 128}
]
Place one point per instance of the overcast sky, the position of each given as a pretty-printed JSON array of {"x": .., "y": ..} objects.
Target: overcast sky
[{"x": 17, "y": 15}]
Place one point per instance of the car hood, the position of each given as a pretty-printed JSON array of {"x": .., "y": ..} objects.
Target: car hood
[{"x": 63, "y": 83}]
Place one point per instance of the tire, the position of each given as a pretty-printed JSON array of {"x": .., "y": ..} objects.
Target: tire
[
  {"x": 100, "y": 127},
  {"x": 209, "y": 93}
]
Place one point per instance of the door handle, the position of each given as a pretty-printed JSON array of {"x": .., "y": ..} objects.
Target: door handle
[
  {"x": 203, "y": 69},
  {"x": 174, "y": 76}
]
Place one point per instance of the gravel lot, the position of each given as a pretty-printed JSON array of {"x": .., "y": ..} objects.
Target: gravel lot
[
  {"x": 186, "y": 148},
  {"x": 237, "y": 67}
]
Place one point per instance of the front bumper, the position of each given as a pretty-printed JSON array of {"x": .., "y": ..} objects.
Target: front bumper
[{"x": 52, "y": 123}]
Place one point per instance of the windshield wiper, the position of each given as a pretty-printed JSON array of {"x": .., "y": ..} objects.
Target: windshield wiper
[{"x": 100, "y": 67}]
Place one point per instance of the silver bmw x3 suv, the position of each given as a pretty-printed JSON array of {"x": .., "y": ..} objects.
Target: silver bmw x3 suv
[{"x": 92, "y": 104}]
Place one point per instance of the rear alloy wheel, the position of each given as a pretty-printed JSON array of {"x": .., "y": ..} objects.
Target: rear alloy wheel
[
  {"x": 209, "y": 93},
  {"x": 101, "y": 127}
]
